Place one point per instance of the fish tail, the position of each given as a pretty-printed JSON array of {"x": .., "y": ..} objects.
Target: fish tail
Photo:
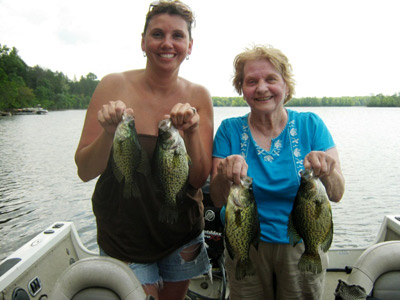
[
  {"x": 168, "y": 214},
  {"x": 131, "y": 189},
  {"x": 244, "y": 268},
  {"x": 310, "y": 262},
  {"x": 293, "y": 235},
  {"x": 189, "y": 159}
]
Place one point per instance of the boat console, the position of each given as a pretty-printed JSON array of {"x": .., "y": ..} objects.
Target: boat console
[{"x": 32, "y": 270}]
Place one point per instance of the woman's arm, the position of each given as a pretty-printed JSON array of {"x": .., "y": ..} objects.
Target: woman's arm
[
  {"x": 326, "y": 166},
  {"x": 225, "y": 172},
  {"x": 219, "y": 186},
  {"x": 197, "y": 126},
  {"x": 102, "y": 118}
]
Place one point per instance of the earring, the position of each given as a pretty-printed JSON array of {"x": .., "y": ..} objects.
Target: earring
[
  {"x": 187, "y": 57},
  {"x": 144, "y": 54}
]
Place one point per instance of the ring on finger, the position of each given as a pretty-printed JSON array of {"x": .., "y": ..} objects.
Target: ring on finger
[{"x": 194, "y": 110}]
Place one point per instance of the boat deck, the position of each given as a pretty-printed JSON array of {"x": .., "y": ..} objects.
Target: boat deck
[{"x": 331, "y": 281}]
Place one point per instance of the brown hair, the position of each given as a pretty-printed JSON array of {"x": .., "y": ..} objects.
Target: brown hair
[
  {"x": 171, "y": 7},
  {"x": 274, "y": 56}
]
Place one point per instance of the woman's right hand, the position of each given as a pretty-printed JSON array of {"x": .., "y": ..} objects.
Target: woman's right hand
[
  {"x": 232, "y": 168},
  {"x": 110, "y": 115}
]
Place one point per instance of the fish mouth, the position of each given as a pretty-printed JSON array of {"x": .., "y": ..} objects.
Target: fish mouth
[
  {"x": 306, "y": 173},
  {"x": 236, "y": 199},
  {"x": 172, "y": 141},
  {"x": 246, "y": 181},
  {"x": 127, "y": 117},
  {"x": 165, "y": 124}
]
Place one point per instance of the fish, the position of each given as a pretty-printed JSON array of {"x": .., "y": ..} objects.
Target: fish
[
  {"x": 128, "y": 157},
  {"x": 242, "y": 226},
  {"x": 170, "y": 170},
  {"x": 311, "y": 221}
]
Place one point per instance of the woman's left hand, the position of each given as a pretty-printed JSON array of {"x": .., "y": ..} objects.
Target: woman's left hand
[
  {"x": 320, "y": 162},
  {"x": 184, "y": 117}
]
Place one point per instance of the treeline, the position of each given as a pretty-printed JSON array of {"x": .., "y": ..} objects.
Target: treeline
[
  {"x": 371, "y": 101},
  {"x": 25, "y": 86}
]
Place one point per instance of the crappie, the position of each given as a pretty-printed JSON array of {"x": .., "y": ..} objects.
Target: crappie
[
  {"x": 128, "y": 157},
  {"x": 311, "y": 220},
  {"x": 170, "y": 170},
  {"x": 242, "y": 227}
]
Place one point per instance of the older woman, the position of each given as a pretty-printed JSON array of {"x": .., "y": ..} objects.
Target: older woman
[
  {"x": 163, "y": 256},
  {"x": 272, "y": 145}
]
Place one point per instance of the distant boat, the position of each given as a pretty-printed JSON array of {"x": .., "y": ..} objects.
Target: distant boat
[
  {"x": 30, "y": 111},
  {"x": 4, "y": 113}
]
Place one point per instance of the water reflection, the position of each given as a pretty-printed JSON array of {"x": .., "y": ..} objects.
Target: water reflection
[{"x": 38, "y": 178}]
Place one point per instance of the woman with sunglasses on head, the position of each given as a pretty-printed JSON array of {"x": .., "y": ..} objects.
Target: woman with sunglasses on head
[
  {"x": 272, "y": 145},
  {"x": 162, "y": 255}
]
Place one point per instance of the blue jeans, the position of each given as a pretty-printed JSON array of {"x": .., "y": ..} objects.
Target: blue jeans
[{"x": 173, "y": 267}]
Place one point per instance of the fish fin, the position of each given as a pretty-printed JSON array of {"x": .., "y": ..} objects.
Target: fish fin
[
  {"x": 144, "y": 166},
  {"x": 310, "y": 263},
  {"x": 177, "y": 158},
  {"x": 168, "y": 214},
  {"x": 244, "y": 268},
  {"x": 238, "y": 216},
  {"x": 131, "y": 190},
  {"x": 229, "y": 248},
  {"x": 256, "y": 241},
  {"x": 180, "y": 196},
  {"x": 318, "y": 207},
  {"x": 117, "y": 172},
  {"x": 257, "y": 236},
  {"x": 293, "y": 235},
  {"x": 328, "y": 240}
]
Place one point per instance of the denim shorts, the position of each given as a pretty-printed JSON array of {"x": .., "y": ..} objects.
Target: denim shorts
[{"x": 173, "y": 267}]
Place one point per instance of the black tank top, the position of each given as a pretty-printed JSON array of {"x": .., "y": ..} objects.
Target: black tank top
[{"x": 129, "y": 230}]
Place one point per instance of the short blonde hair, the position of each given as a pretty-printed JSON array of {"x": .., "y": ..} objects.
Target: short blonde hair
[{"x": 274, "y": 56}]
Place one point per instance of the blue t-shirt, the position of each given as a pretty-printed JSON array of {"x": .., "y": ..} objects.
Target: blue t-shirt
[{"x": 275, "y": 173}]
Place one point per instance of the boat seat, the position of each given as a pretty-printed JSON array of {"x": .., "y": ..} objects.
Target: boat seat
[
  {"x": 376, "y": 272},
  {"x": 387, "y": 286},
  {"x": 98, "y": 278}
]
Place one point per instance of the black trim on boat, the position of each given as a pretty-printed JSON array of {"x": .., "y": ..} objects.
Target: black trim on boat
[
  {"x": 346, "y": 270},
  {"x": 8, "y": 264}
]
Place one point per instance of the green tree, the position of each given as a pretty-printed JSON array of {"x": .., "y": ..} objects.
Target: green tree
[{"x": 13, "y": 72}]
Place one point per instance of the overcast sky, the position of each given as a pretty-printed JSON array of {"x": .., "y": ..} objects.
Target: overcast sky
[{"x": 337, "y": 48}]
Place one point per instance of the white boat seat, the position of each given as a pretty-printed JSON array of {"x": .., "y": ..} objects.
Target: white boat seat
[
  {"x": 377, "y": 272},
  {"x": 98, "y": 278},
  {"x": 387, "y": 286}
]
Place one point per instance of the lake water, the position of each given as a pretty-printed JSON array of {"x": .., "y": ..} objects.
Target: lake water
[{"x": 39, "y": 184}]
